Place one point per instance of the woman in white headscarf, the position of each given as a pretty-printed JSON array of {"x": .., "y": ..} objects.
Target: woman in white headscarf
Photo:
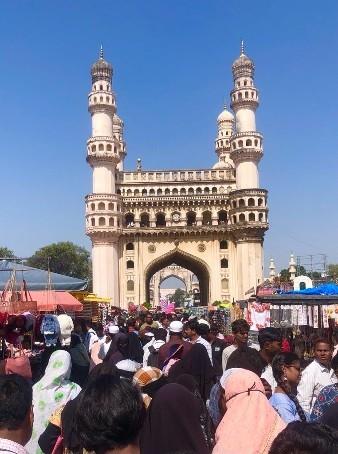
[{"x": 53, "y": 391}]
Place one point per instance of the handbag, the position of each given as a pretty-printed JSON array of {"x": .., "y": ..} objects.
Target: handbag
[
  {"x": 18, "y": 365},
  {"x": 58, "y": 447}
]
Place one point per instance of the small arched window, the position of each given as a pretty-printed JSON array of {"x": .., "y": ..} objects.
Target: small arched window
[
  {"x": 111, "y": 222},
  {"x": 152, "y": 192},
  {"x": 101, "y": 87},
  {"x": 136, "y": 192},
  {"x": 109, "y": 147},
  {"x": 198, "y": 190},
  {"x": 183, "y": 191},
  {"x": 241, "y": 217},
  {"x": 214, "y": 190},
  {"x": 129, "y": 220},
  {"x": 159, "y": 192},
  {"x": 101, "y": 147},
  {"x": 240, "y": 95},
  {"x": 160, "y": 220},
  {"x": 234, "y": 219},
  {"x": 224, "y": 263},
  {"x": 101, "y": 206},
  {"x": 246, "y": 94},
  {"x": 248, "y": 143},
  {"x": 93, "y": 148},
  {"x": 92, "y": 206},
  {"x": 190, "y": 191},
  {"x": 144, "y": 192},
  {"x": 101, "y": 98},
  {"x": 234, "y": 145},
  {"x": 144, "y": 220},
  {"x": 167, "y": 191},
  {"x": 234, "y": 204},
  {"x": 129, "y": 192},
  {"x": 261, "y": 217},
  {"x": 102, "y": 221},
  {"x": 93, "y": 222},
  {"x": 130, "y": 265},
  {"x": 225, "y": 284},
  {"x": 191, "y": 218},
  {"x": 110, "y": 206},
  {"x": 241, "y": 203},
  {"x": 222, "y": 217},
  {"x": 260, "y": 202},
  {"x": 175, "y": 191},
  {"x": 251, "y": 202},
  {"x": 223, "y": 244},
  {"x": 130, "y": 285},
  {"x": 252, "y": 217},
  {"x": 130, "y": 246},
  {"x": 240, "y": 143},
  {"x": 206, "y": 218},
  {"x": 206, "y": 190}
]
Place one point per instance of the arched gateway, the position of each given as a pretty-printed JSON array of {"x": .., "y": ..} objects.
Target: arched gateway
[
  {"x": 210, "y": 221},
  {"x": 185, "y": 260}
]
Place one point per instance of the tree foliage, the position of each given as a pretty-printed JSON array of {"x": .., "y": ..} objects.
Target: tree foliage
[
  {"x": 6, "y": 253},
  {"x": 64, "y": 258},
  {"x": 333, "y": 271},
  {"x": 179, "y": 296}
]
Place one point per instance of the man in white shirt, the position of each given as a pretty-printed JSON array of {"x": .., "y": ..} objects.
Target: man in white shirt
[
  {"x": 193, "y": 333},
  {"x": 240, "y": 330},
  {"x": 316, "y": 375},
  {"x": 16, "y": 414},
  {"x": 270, "y": 342}
]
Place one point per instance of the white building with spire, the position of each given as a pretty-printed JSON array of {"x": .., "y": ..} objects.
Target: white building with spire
[{"x": 209, "y": 221}]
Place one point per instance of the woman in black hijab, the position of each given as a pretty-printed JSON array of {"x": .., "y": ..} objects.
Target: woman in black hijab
[
  {"x": 172, "y": 423},
  {"x": 206, "y": 423},
  {"x": 196, "y": 363}
]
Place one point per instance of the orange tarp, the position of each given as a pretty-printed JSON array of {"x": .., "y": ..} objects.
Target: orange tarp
[{"x": 49, "y": 300}]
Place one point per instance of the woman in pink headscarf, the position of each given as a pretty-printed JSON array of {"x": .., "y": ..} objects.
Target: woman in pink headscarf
[{"x": 250, "y": 424}]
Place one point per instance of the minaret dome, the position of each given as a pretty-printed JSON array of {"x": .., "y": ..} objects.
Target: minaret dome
[{"x": 101, "y": 69}]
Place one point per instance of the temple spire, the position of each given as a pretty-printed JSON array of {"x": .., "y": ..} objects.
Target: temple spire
[
  {"x": 242, "y": 47},
  {"x": 101, "y": 52}
]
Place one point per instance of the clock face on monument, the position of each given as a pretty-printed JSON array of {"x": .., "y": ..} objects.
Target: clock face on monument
[{"x": 176, "y": 217}]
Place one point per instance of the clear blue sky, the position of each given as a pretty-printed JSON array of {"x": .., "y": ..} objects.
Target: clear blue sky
[{"x": 172, "y": 74}]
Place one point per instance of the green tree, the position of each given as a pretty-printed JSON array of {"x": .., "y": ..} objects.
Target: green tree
[
  {"x": 333, "y": 271},
  {"x": 179, "y": 296},
  {"x": 6, "y": 253},
  {"x": 64, "y": 258}
]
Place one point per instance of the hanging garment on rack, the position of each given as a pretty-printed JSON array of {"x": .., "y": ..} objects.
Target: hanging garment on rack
[
  {"x": 315, "y": 316},
  {"x": 258, "y": 316},
  {"x": 50, "y": 328}
]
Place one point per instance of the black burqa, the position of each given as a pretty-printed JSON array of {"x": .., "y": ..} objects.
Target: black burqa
[
  {"x": 196, "y": 363},
  {"x": 172, "y": 423}
]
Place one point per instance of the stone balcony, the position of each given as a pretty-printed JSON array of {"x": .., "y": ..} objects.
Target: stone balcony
[{"x": 186, "y": 176}]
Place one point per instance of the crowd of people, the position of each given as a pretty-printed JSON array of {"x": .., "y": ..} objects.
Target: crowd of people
[{"x": 173, "y": 386}]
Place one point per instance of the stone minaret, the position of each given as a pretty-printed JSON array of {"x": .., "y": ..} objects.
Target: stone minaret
[
  {"x": 272, "y": 270},
  {"x": 103, "y": 206},
  {"x": 225, "y": 124},
  {"x": 248, "y": 201},
  {"x": 292, "y": 267}
]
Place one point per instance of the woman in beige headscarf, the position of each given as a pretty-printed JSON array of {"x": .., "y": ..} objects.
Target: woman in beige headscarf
[{"x": 250, "y": 424}]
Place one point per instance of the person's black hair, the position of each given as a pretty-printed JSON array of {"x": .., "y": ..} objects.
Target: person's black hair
[
  {"x": 286, "y": 359},
  {"x": 330, "y": 416},
  {"x": 305, "y": 438},
  {"x": 203, "y": 329},
  {"x": 246, "y": 358},
  {"x": 160, "y": 334},
  {"x": 240, "y": 325},
  {"x": 15, "y": 401},
  {"x": 110, "y": 414},
  {"x": 214, "y": 328},
  {"x": 131, "y": 322},
  {"x": 269, "y": 335},
  {"x": 193, "y": 325},
  {"x": 334, "y": 363},
  {"x": 322, "y": 340}
]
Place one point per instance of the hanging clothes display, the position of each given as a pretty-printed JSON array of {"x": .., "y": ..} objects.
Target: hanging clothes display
[
  {"x": 258, "y": 315},
  {"x": 50, "y": 328}
]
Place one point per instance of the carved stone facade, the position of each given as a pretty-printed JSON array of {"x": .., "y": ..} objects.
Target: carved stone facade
[{"x": 209, "y": 221}]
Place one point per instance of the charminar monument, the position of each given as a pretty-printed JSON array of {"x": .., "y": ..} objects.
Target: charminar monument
[{"x": 208, "y": 221}]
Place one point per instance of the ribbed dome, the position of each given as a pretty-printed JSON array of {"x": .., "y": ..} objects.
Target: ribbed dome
[
  {"x": 117, "y": 120},
  {"x": 101, "y": 69},
  {"x": 243, "y": 60},
  {"x": 225, "y": 115},
  {"x": 222, "y": 165}
]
